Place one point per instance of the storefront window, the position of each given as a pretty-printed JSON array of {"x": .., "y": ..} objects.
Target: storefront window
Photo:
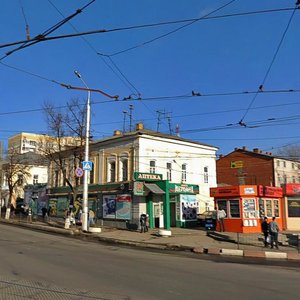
[
  {"x": 276, "y": 208},
  {"x": 249, "y": 208},
  {"x": 269, "y": 208},
  {"x": 234, "y": 206},
  {"x": 222, "y": 204},
  {"x": 293, "y": 208}
]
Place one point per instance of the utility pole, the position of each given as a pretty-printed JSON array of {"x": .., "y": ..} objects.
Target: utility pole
[{"x": 86, "y": 157}]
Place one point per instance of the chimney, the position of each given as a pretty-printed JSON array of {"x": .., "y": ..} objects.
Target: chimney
[
  {"x": 244, "y": 148},
  {"x": 117, "y": 133},
  {"x": 236, "y": 148},
  {"x": 256, "y": 150},
  {"x": 139, "y": 126}
]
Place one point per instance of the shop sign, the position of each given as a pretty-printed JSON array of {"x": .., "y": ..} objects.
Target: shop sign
[
  {"x": 237, "y": 164},
  {"x": 249, "y": 191},
  {"x": 225, "y": 191},
  {"x": 183, "y": 188},
  {"x": 292, "y": 189},
  {"x": 147, "y": 176},
  {"x": 138, "y": 188},
  {"x": 270, "y": 191}
]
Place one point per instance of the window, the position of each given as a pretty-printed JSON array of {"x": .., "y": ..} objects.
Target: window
[
  {"x": 293, "y": 166},
  {"x": 284, "y": 179},
  {"x": 284, "y": 164},
  {"x": 279, "y": 179},
  {"x": 112, "y": 171},
  {"x": 35, "y": 179},
  {"x": 124, "y": 169},
  {"x": 152, "y": 166},
  {"x": 222, "y": 204},
  {"x": 294, "y": 179},
  {"x": 278, "y": 163},
  {"x": 183, "y": 173},
  {"x": 169, "y": 171},
  {"x": 205, "y": 174},
  {"x": 56, "y": 178},
  {"x": 234, "y": 207}
]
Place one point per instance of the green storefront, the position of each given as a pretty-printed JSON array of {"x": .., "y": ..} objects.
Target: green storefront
[{"x": 168, "y": 204}]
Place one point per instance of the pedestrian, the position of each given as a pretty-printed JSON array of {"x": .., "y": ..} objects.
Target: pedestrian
[
  {"x": 44, "y": 212},
  {"x": 91, "y": 217},
  {"x": 214, "y": 218},
  {"x": 265, "y": 230},
  {"x": 221, "y": 215},
  {"x": 143, "y": 219},
  {"x": 274, "y": 230},
  {"x": 147, "y": 223}
]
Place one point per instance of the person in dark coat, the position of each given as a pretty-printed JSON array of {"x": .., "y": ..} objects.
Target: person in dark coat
[
  {"x": 143, "y": 222},
  {"x": 265, "y": 230}
]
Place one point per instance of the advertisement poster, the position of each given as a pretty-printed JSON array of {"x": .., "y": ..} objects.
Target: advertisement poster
[
  {"x": 189, "y": 206},
  {"x": 109, "y": 206},
  {"x": 123, "y": 207}
]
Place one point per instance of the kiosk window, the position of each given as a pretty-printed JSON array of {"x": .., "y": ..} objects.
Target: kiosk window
[
  {"x": 269, "y": 208},
  {"x": 293, "y": 208},
  {"x": 234, "y": 208},
  {"x": 276, "y": 208},
  {"x": 222, "y": 204}
]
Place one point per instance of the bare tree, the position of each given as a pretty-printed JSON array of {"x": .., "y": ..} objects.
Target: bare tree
[
  {"x": 65, "y": 149},
  {"x": 291, "y": 152},
  {"x": 16, "y": 171}
]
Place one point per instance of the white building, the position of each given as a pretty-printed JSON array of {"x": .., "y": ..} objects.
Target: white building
[{"x": 167, "y": 176}]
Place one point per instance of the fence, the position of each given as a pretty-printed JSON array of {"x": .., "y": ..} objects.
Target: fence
[{"x": 286, "y": 241}]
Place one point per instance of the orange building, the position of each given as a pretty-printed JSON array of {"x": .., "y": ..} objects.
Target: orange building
[{"x": 247, "y": 205}]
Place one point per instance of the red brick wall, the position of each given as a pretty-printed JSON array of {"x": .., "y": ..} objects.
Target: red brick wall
[{"x": 256, "y": 169}]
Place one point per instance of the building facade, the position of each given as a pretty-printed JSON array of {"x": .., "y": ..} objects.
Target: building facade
[
  {"x": 166, "y": 176},
  {"x": 30, "y": 142},
  {"x": 256, "y": 167}
]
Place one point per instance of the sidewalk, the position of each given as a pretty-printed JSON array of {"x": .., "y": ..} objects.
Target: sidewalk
[{"x": 193, "y": 240}]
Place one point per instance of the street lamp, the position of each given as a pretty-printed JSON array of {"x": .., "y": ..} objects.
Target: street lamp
[{"x": 86, "y": 157}]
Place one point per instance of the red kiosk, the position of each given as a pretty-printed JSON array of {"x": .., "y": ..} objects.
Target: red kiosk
[{"x": 247, "y": 205}]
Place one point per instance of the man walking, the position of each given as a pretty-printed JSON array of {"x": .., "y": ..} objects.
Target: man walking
[
  {"x": 265, "y": 230},
  {"x": 274, "y": 230},
  {"x": 221, "y": 215}
]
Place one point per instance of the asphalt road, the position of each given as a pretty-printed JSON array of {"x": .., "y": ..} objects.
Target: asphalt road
[{"x": 35, "y": 265}]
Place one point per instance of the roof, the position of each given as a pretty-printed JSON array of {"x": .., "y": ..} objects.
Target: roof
[
  {"x": 257, "y": 153},
  {"x": 141, "y": 132}
]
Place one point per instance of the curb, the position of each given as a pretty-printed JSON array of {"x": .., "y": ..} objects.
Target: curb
[{"x": 248, "y": 253}]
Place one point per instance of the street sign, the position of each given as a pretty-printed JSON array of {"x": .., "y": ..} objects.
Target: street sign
[
  {"x": 87, "y": 165},
  {"x": 79, "y": 172},
  {"x": 237, "y": 164}
]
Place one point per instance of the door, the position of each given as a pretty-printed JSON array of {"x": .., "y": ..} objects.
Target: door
[{"x": 158, "y": 215}]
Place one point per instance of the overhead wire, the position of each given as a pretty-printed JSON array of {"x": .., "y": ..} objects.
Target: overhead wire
[
  {"x": 150, "y": 25},
  {"x": 241, "y": 122},
  {"x": 40, "y": 37},
  {"x": 123, "y": 78},
  {"x": 174, "y": 30}
]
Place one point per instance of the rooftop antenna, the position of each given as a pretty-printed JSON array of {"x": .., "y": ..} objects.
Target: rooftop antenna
[
  {"x": 159, "y": 114},
  {"x": 169, "y": 123},
  {"x": 177, "y": 130},
  {"x": 125, "y": 112},
  {"x": 26, "y": 23},
  {"x": 130, "y": 116}
]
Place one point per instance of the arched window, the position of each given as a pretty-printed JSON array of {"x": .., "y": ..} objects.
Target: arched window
[{"x": 124, "y": 167}]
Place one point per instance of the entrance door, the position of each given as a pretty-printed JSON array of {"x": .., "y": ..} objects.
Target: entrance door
[
  {"x": 158, "y": 215},
  {"x": 173, "y": 214}
]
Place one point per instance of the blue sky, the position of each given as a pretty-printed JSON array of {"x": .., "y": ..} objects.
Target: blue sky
[{"x": 214, "y": 56}]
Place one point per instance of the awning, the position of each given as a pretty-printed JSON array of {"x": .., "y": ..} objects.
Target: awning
[{"x": 155, "y": 189}]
